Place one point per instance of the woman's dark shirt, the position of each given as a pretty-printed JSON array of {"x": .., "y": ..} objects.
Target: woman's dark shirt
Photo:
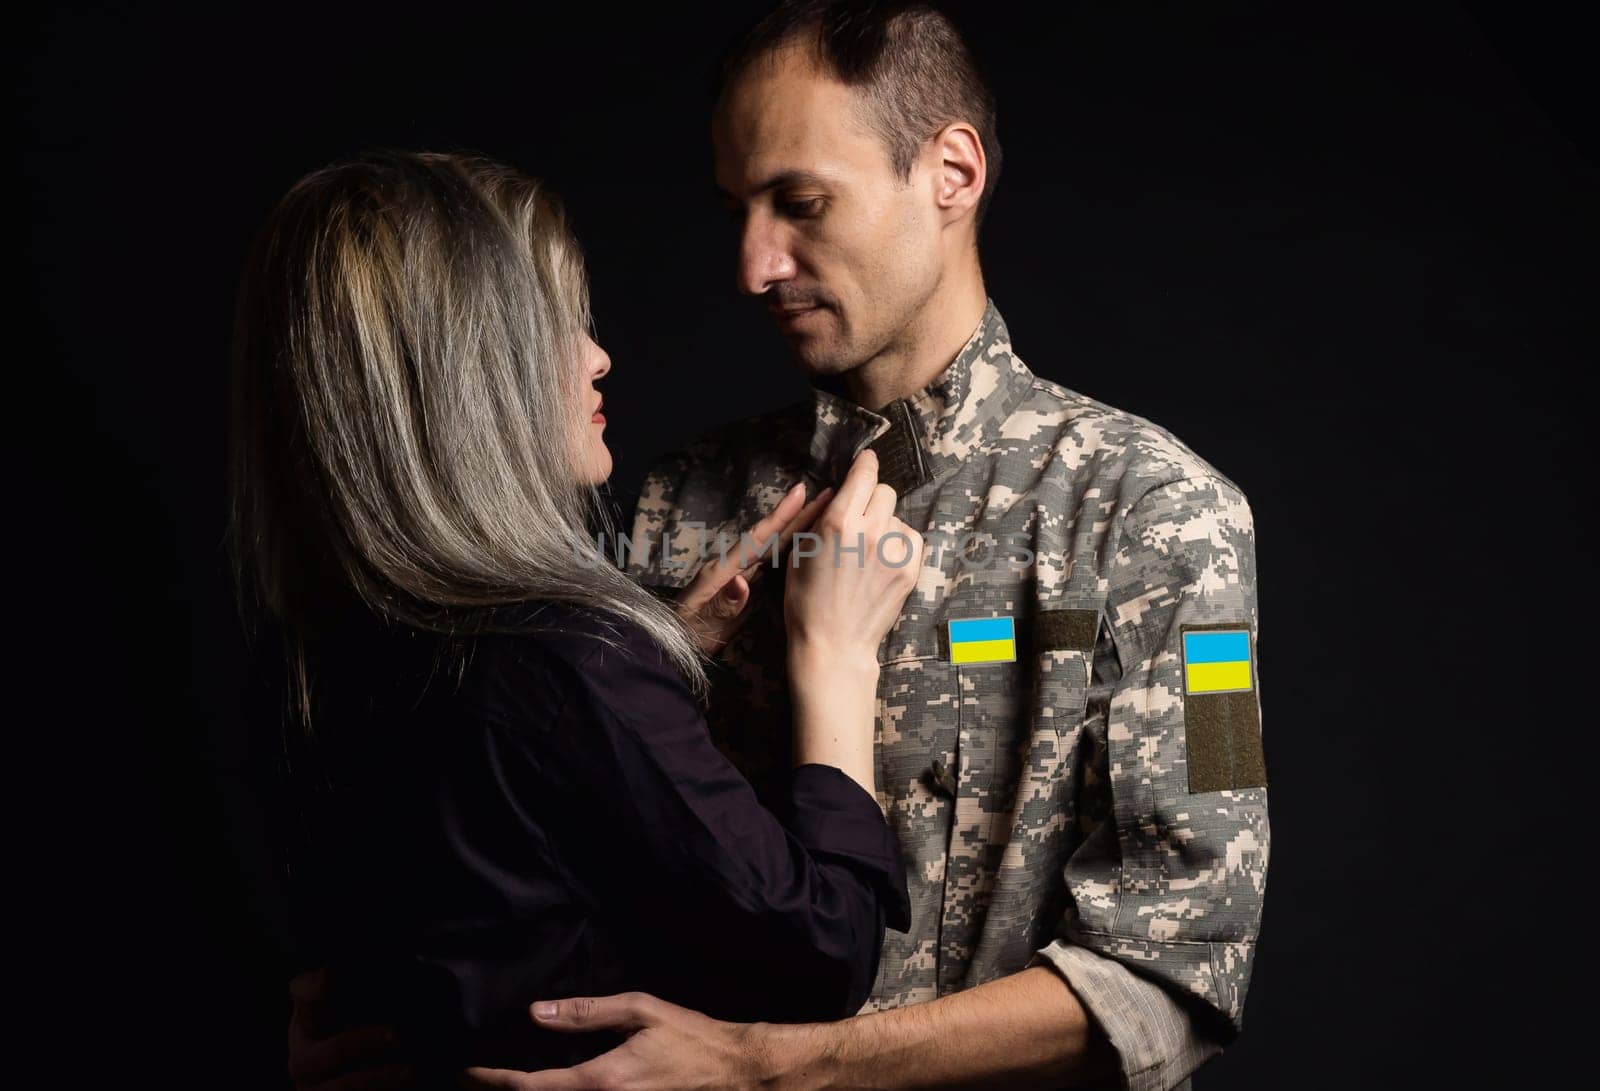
[{"x": 546, "y": 816}]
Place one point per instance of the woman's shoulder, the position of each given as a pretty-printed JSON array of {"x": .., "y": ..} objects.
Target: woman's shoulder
[
  {"x": 572, "y": 632},
  {"x": 552, "y": 649}
]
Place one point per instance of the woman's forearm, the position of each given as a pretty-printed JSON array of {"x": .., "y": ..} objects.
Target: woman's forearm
[{"x": 834, "y": 696}]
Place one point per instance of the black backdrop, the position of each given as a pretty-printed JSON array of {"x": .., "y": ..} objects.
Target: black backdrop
[{"x": 1344, "y": 253}]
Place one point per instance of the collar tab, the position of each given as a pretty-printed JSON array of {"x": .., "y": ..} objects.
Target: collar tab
[
  {"x": 901, "y": 464},
  {"x": 923, "y": 437}
]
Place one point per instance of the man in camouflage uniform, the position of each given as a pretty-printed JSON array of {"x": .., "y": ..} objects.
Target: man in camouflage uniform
[
  {"x": 1082, "y": 806},
  {"x": 1091, "y": 798},
  {"x": 1073, "y": 807}
]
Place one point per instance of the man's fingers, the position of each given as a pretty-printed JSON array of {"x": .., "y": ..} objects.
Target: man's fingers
[
  {"x": 549, "y": 1079},
  {"x": 315, "y": 1061},
  {"x": 625, "y": 1011},
  {"x": 489, "y": 1079}
]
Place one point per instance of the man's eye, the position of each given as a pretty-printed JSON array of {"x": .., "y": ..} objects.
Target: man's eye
[{"x": 805, "y": 209}]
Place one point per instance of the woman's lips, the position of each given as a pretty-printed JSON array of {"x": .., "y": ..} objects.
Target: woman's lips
[{"x": 598, "y": 418}]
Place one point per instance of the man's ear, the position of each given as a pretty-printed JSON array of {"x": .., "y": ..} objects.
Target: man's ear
[{"x": 962, "y": 169}]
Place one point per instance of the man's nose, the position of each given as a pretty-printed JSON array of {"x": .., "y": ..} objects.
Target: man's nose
[{"x": 764, "y": 259}]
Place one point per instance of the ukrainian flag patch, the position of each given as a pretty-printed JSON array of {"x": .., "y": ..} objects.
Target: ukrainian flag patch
[
  {"x": 1216, "y": 661},
  {"x": 983, "y": 640}
]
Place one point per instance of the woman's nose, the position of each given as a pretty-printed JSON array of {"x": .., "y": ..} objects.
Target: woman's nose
[{"x": 599, "y": 360}]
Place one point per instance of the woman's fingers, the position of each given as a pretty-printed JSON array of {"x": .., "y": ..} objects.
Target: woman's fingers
[
  {"x": 766, "y": 529},
  {"x": 857, "y": 486},
  {"x": 709, "y": 588},
  {"x": 773, "y": 523},
  {"x": 808, "y": 514},
  {"x": 801, "y": 522},
  {"x": 908, "y": 544},
  {"x": 773, "y": 532},
  {"x": 793, "y": 502},
  {"x": 755, "y": 549},
  {"x": 730, "y": 600},
  {"x": 714, "y": 603},
  {"x": 769, "y": 535},
  {"x": 880, "y": 504},
  {"x": 714, "y": 620}
]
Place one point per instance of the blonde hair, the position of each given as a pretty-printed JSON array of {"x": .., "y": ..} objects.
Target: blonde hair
[{"x": 407, "y": 408}]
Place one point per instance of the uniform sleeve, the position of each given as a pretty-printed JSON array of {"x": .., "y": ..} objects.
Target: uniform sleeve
[
  {"x": 647, "y": 558},
  {"x": 1166, "y": 889},
  {"x": 683, "y": 504},
  {"x": 734, "y": 910}
]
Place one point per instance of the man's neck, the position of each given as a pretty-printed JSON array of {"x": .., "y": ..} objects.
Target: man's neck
[{"x": 944, "y": 326}]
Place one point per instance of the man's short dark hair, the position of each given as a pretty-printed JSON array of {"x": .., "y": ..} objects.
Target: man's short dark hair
[{"x": 909, "y": 60}]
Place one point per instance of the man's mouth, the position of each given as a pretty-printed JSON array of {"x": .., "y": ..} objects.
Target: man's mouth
[{"x": 793, "y": 314}]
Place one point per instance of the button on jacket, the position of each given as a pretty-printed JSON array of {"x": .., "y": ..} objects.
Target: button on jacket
[
  {"x": 1092, "y": 794},
  {"x": 546, "y": 816}
]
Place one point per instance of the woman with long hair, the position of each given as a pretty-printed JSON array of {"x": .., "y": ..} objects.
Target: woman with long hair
[{"x": 501, "y": 787}]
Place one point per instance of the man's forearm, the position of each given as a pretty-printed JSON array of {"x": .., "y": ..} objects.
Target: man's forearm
[{"x": 1024, "y": 1030}]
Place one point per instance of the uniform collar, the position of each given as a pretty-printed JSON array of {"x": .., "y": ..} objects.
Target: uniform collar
[{"x": 927, "y": 435}]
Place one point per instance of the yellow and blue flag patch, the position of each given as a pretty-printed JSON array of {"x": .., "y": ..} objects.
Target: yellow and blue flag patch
[
  {"x": 983, "y": 640},
  {"x": 1216, "y": 661}
]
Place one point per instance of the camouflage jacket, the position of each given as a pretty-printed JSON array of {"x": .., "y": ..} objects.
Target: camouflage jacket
[{"x": 1095, "y": 802}]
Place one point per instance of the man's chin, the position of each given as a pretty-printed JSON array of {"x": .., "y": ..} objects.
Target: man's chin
[{"x": 816, "y": 359}]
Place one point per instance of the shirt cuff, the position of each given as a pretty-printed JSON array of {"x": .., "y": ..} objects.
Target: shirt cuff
[
  {"x": 1157, "y": 1042},
  {"x": 833, "y": 816}
]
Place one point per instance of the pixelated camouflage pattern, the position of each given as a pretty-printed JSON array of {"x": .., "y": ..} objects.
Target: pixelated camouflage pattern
[{"x": 1071, "y": 821}]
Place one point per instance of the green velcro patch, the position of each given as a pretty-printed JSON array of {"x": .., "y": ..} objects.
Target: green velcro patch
[
  {"x": 1223, "y": 730},
  {"x": 901, "y": 465},
  {"x": 1065, "y": 630}
]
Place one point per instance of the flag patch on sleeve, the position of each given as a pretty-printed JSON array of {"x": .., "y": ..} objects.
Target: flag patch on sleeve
[
  {"x": 1222, "y": 720},
  {"x": 983, "y": 640},
  {"x": 1217, "y": 661}
]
